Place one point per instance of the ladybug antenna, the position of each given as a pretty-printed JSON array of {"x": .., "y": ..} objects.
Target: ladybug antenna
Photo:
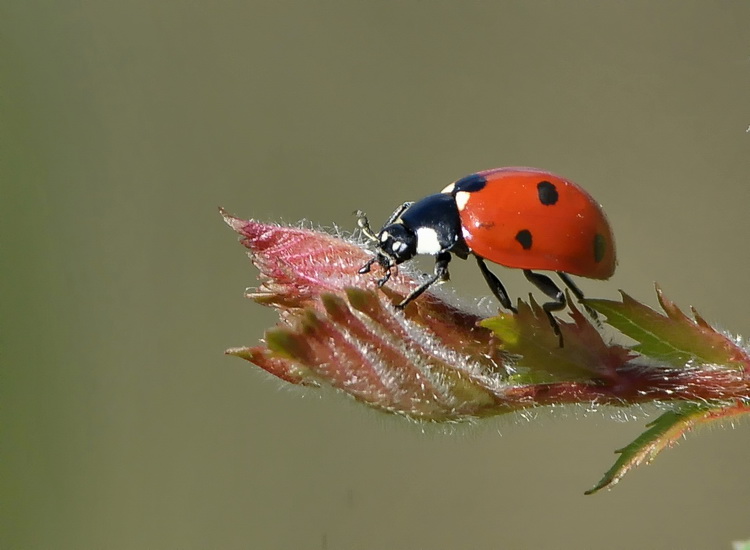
[
  {"x": 364, "y": 225},
  {"x": 386, "y": 261}
]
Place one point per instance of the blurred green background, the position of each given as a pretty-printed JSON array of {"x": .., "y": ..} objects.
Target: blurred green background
[{"x": 125, "y": 124}]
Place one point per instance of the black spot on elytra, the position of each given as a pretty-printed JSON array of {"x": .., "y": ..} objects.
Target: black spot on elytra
[
  {"x": 470, "y": 184},
  {"x": 600, "y": 247},
  {"x": 547, "y": 193},
  {"x": 524, "y": 238}
]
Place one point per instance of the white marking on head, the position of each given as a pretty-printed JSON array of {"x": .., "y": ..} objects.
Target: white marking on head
[
  {"x": 462, "y": 197},
  {"x": 398, "y": 246},
  {"x": 384, "y": 236},
  {"x": 449, "y": 189},
  {"x": 427, "y": 241}
]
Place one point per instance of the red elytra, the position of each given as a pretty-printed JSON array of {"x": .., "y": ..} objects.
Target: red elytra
[{"x": 508, "y": 223}]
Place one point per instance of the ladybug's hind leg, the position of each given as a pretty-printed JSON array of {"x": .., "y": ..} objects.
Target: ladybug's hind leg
[
  {"x": 545, "y": 284},
  {"x": 578, "y": 294}
]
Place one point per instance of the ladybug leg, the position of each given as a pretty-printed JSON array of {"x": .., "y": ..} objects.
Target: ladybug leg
[
  {"x": 495, "y": 285},
  {"x": 440, "y": 274},
  {"x": 382, "y": 261},
  {"x": 577, "y": 293},
  {"x": 545, "y": 284},
  {"x": 397, "y": 213},
  {"x": 384, "y": 278},
  {"x": 366, "y": 268}
]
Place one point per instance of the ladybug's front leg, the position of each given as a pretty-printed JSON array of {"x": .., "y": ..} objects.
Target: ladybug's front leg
[
  {"x": 440, "y": 274},
  {"x": 396, "y": 213},
  {"x": 384, "y": 262}
]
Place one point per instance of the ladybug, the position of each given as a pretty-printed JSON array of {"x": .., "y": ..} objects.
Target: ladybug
[{"x": 523, "y": 218}]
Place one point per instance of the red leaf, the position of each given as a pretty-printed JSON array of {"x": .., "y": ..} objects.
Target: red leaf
[{"x": 435, "y": 361}]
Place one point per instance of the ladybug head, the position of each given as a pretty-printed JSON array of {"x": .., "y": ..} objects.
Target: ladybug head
[
  {"x": 396, "y": 244},
  {"x": 430, "y": 226}
]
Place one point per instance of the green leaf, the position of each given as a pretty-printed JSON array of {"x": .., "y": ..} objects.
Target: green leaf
[
  {"x": 538, "y": 357},
  {"x": 674, "y": 337},
  {"x": 662, "y": 432}
]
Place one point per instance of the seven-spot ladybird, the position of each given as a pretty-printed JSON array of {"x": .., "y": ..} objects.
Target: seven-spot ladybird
[{"x": 522, "y": 218}]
